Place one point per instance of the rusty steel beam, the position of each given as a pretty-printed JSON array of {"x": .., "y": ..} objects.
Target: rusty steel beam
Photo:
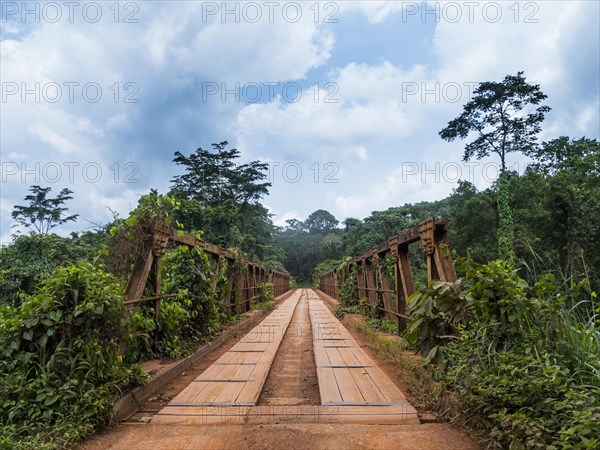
[
  {"x": 154, "y": 246},
  {"x": 433, "y": 234}
]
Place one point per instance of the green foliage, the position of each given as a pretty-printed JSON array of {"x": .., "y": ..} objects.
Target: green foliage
[
  {"x": 506, "y": 232},
  {"x": 524, "y": 359},
  {"x": 128, "y": 235},
  {"x": 266, "y": 292},
  {"x": 321, "y": 221},
  {"x": 361, "y": 235},
  {"x": 214, "y": 176},
  {"x": 309, "y": 243},
  {"x": 553, "y": 206},
  {"x": 43, "y": 213},
  {"x": 341, "y": 310},
  {"x": 27, "y": 259},
  {"x": 349, "y": 290},
  {"x": 528, "y": 393},
  {"x": 60, "y": 365},
  {"x": 174, "y": 324},
  {"x": 555, "y": 203},
  {"x": 498, "y": 114},
  {"x": 265, "y": 298},
  {"x": 188, "y": 271},
  {"x": 475, "y": 233},
  {"x": 194, "y": 314},
  {"x": 141, "y": 331},
  {"x": 436, "y": 312},
  {"x": 325, "y": 266},
  {"x": 387, "y": 326},
  {"x": 221, "y": 196}
]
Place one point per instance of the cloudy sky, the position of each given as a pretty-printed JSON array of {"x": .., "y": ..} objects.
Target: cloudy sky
[{"x": 344, "y": 99}]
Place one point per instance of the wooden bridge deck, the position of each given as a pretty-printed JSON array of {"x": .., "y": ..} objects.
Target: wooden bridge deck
[{"x": 352, "y": 388}]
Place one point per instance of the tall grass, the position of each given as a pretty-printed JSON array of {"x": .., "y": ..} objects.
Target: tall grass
[{"x": 526, "y": 357}]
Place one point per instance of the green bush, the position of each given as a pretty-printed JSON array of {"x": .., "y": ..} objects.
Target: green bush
[
  {"x": 264, "y": 299},
  {"x": 266, "y": 292},
  {"x": 141, "y": 331},
  {"x": 188, "y": 271},
  {"x": 436, "y": 312},
  {"x": 60, "y": 366},
  {"x": 523, "y": 359},
  {"x": 387, "y": 326},
  {"x": 26, "y": 260},
  {"x": 349, "y": 290}
]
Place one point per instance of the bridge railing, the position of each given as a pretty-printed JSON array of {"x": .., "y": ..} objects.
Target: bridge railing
[
  {"x": 245, "y": 284},
  {"x": 375, "y": 284}
]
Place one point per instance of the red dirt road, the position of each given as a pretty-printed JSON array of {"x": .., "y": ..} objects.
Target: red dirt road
[
  {"x": 282, "y": 437},
  {"x": 285, "y": 385}
]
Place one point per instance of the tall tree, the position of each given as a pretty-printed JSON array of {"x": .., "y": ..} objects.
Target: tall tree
[
  {"x": 499, "y": 115},
  {"x": 43, "y": 213},
  {"x": 321, "y": 222},
  {"x": 221, "y": 196},
  {"x": 215, "y": 176}
]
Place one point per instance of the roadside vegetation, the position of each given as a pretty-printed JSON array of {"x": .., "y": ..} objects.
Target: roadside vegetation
[
  {"x": 70, "y": 347},
  {"x": 511, "y": 350},
  {"x": 516, "y": 363}
]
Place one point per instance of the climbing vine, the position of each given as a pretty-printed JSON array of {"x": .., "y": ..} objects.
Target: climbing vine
[{"x": 506, "y": 229}]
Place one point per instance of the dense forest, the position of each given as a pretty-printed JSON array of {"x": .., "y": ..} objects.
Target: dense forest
[
  {"x": 540, "y": 225},
  {"x": 553, "y": 204}
]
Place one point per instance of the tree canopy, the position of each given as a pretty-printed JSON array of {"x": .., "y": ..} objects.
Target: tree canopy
[
  {"x": 43, "y": 213},
  {"x": 498, "y": 116},
  {"x": 212, "y": 177},
  {"x": 321, "y": 221}
]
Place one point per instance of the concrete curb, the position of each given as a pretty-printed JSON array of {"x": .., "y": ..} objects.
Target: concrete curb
[{"x": 132, "y": 400}]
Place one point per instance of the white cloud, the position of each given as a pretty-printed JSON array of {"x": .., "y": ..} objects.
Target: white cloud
[
  {"x": 288, "y": 215},
  {"x": 375, "y": 11},
  {"x": 379, "y": 109},
  {"x": 378, "y": 122},
  {"x": 370, "y": 107},
  {"x": 167, "y": 52}
]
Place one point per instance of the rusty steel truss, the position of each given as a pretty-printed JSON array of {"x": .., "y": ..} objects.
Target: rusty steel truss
[
  {"x": 375, "y": 284},
  {"x": 245, "y": 283}
]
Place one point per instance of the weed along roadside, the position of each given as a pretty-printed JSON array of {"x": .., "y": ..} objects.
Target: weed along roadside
[{"x": 509, "y": 361}]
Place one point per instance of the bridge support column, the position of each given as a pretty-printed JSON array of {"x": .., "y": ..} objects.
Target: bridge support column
[
  {"x": 384, "y": 280},
  {"x": 360, "y": 279},
  {"x": 370, "y": 282}
]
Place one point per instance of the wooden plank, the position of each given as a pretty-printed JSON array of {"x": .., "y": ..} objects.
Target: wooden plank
[
  {"x": 352, "y": 389},
  {"x": 328, "y": 386},
  {"x": 231, "y": 392},
  {"x": 385, "y": 385},
  {"x": 397, "y": 415},
  {"x": 368, "y": 388},
  {"x": 251, "y": 353},
  {"x": 237, "y": 410},
  {"x": 367, "y": 384},
  {"x": 251, "y": 390},
  {"x": 209, "y": 390},
  {"x": 193, "y": 390},
  {"x": 348, "y": 387}
]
